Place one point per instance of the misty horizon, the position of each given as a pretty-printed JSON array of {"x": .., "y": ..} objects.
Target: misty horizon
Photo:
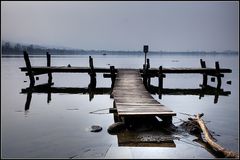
[
  {"x": 35, "y": 46},
  {"x": 170, "y": 26}
]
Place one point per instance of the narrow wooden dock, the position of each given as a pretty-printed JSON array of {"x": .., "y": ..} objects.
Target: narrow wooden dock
[{"x": 132, "y": 99}]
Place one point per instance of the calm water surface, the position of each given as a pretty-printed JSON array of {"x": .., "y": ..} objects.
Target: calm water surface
[{"x": 61, "y": 128}]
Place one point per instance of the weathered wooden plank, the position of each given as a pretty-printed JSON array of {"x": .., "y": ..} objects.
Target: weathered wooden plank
[
  {"x": 132, "y": 99},
  {"x": 139, "y": 104}
]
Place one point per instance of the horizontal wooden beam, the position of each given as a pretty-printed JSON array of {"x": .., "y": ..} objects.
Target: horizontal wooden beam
[
  {"x": 44, "y": 69},
  {"x": 188, "y": 70}
]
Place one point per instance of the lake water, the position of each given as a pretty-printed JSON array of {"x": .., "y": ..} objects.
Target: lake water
[{"x": 61, "y": 128}]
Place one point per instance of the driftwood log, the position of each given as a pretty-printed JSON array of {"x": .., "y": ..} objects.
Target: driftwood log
[{"x": 210, "y": 140}]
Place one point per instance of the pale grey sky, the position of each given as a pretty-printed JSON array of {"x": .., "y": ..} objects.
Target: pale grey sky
[{"x": 123, "y": 25}]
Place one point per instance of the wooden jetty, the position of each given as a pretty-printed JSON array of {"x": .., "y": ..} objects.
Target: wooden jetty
[
  {"x": 131, "y": 98},
  {"x": 130, "y": 87}
]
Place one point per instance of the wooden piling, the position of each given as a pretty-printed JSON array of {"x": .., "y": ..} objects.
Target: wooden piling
[
  {"x": 205, "y": 79},
  {"x": 160, "y": 81},
  {"x": 218, "y": 75},
  {"x": 49, "y": 65},
  {"x": 92, "y": 71},
  {"x": 113, "y": 75},
  {"x": 144, "y": 76},
  {"x": 29, "y": 68},
  {"x": 148, "y": 77}
]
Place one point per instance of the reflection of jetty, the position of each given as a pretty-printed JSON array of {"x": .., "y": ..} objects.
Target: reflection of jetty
[
  {"x": 207, "y": 90},
  {"x": 131, "y": 88}
]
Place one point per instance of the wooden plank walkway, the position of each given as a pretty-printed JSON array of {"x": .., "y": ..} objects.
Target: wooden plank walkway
[{"x": 132, "y": 99}]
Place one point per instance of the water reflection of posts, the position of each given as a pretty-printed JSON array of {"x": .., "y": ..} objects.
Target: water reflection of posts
[
  {"x": 208, "y": 90},
  {"x": 28, "y": 101},
  {"x": 46, "y": 88},
  {"x": 91, "y": 88}
]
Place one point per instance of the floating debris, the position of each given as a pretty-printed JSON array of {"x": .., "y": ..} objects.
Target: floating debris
[
  {"x": 37, "y": 78},
  {"x": 96, "y": 128}
]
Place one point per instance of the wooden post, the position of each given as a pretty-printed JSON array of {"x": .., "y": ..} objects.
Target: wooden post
[
  {"x": 92, "y": 72},
  {"x": 29, "y": 68},
  {"x": 148, "y": 63},
  {"x": 219, "y": 81},
  {"x": 203, "y": 65},
  {"x": 144, "y": 76},
  {"x": 160, "y": 78},
  {"x": 160, "y": 81},
  {"x": 148, "y": 78},
  {"x": 145, "y": 50},
  {"x": 92, "y": 85},
  {"x": 113, "y": 75},
  {"x": 49, "y": 65}
]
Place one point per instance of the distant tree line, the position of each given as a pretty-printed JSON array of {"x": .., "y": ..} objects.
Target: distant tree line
[{"x": 9, "y": 48}]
